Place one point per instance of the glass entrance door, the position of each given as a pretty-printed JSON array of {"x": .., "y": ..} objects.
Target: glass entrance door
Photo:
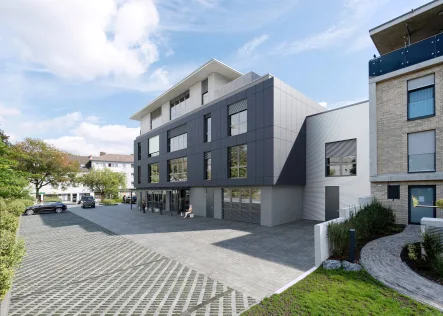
[{"x": 425, "y": 198}]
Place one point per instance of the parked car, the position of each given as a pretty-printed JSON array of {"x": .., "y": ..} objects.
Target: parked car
[
  {"x": 88, "y": 201},
  {"x": 134, "y": 199},
  {"x": 83, "y": 198},
  {"x": 46, "y": 207}
]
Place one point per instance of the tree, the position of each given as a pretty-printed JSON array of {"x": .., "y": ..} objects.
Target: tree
[
  {"x": 45, "y": 164},
  {"x": 13, "y": 183},
  {"x": 104, "y": 181}
]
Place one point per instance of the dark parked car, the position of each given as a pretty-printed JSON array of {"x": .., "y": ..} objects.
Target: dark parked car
[
  {"x": 83, "y": 198},
  {"x": 46, "y": 207},
  {"x": 88, "y": 201},
  {"x": 134, "y": 199}
]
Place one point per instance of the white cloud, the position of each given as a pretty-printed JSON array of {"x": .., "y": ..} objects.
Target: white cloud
[
  {"x": 353, "y": 17},
  {"x": 361, "y": 42},
  {"x": 323, "y": 104},
  {"x": 8, "y": 111},
  {"x": 60, "y": 123},
  {"x": 81, "y": 39},
  {"x": 90, "y": 139},
  {"x": 169, "y": 53},
  {"x": 249, "y": 47}
]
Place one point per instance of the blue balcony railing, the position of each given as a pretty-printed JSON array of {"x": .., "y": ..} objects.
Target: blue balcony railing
[{"x": 418, "y": 52}]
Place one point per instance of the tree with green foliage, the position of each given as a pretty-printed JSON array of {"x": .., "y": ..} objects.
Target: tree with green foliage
[
  {"x": 44, "y": 164},
  {"x": 104, "y": 181},
  {"x": 13, "y": 184}
]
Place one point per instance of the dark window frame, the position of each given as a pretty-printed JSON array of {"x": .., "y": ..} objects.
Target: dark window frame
[
  {"x": 239, "y": 166},
  {"x": 207, "y": 172},
  {"x": 435, "y": 151},
  {"x": 182, "y": 140},
  {"x": 208, "y": 131},
  {"x": 139, "y": 174},
  {"x": 415, "y": 90},
  {"x": 155, "y": 153},
  {"x": 139, "y": 151},
  {"x": 230, "y": 125},
  {"x": 174, "y": 105},
  {"x": 393, "y": 195},
  {"x": 179, "y": 176},
  {"x": 156, "y": 121},
  {"x": 151, "y": 174},
  {"x": 341, "y": 163}
]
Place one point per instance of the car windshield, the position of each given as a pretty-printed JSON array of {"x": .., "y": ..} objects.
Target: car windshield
[{"x": 88, "y": 198}]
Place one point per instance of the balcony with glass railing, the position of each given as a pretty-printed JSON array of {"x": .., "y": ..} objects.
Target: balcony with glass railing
[{"x": 409, "y": 55}]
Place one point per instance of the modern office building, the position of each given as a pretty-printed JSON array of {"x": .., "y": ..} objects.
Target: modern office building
[
  {"x": 406, "y": 113},
  {"x": 234, "y": 146}
]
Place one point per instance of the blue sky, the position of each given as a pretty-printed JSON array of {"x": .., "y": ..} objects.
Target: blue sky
[{"x": 73, "y": 71}]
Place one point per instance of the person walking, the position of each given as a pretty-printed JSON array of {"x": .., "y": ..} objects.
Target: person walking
[{"x": 144, "y": 206}]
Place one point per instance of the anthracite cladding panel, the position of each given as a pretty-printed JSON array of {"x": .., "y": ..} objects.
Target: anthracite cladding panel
[{"x": 259, "y": 139}]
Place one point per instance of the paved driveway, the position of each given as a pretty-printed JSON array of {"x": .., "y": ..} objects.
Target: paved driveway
[{"x": 117, "y": 261}]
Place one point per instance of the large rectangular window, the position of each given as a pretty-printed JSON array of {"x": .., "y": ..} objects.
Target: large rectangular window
[
  {"x": 204, "y": 91},
  {"x": 177, "y": 138},
  {"x": 154, "y": 146},
  {"x": 178, "y": 105},
  {"x": 421, "y": 97},
  {"x": 153, "y": 173},
  {"x": 139, "y": 174},
  {"x": 238, "y": 117},
  {"x": 208, "y": 166},
  {"x": 178, "y": 169},
  {"x": 139, "y": 151},
  {"x": 238, "y": 161},
  {"x": 208, "y": 127},
  {"x": 156, "y": 118},
  {"x": 341, "y": 158},
  {"x": 421, "y": 151}
]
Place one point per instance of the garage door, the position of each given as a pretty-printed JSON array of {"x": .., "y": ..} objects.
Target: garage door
[{"x": 242, "y": 204}]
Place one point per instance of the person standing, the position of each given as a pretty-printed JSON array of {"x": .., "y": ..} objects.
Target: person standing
[{"x": 144, "y": 206}]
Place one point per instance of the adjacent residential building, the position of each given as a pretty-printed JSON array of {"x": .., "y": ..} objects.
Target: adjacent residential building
[
  {"x": 115, "y": 162},
  {"x": 235, "y": 147},
  {"x": 406, "y": 113}
]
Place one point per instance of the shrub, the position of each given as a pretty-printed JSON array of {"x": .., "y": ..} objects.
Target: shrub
[
  {"x": 437, "y": 265},
  {"x": 433, "y": 247},
  {"x": 12, "y": 251},
  {"x": 412, "y": 252},
  {"x": 108, "y": 202},
  {"x": 51, "y": 198},
  {"x": 2, "y": 205},
  {"x": 16, "y": 207},
  {"x": 8, "y": 221},
  {"x": 371, "y": 220}
]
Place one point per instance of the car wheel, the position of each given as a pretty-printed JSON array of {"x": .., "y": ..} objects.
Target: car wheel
[
  {"x": 83, "y": 206},
  {"x": 29, "y": 212},
  {"x": 59, "y": 210},
  {"x": 93, "y": 206}
]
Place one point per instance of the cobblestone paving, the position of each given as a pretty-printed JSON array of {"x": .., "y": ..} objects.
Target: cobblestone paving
[
  {"x": 381, "y": 258},
  {"x": 75, "y": 267}
]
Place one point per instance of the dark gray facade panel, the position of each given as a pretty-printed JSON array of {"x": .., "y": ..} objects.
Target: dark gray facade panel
[{"x": 259, "y": 139}]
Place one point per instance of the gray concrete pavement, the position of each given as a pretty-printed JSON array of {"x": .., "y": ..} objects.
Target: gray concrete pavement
[
  {"x": 253, "y": 259},
  {"x": 76, "y": 267}
]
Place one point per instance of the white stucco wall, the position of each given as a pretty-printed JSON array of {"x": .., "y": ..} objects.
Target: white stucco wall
[
  {"x": 341, "y": 124},
  {"x": 145, "y": 123},
  {"x": 281, "y": 204}
]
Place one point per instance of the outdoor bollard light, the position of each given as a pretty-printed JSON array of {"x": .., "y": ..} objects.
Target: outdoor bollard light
[{"x": 352, "y": 245}]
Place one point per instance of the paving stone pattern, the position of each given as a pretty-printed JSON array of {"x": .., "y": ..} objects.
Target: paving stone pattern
[
  {"x": 76, "y": 267},
  {"x": 381, "y": 258}
]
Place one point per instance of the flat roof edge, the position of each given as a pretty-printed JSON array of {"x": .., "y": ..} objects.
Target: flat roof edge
[
  {"x": 339, "y": 108},
  {"x": 405, "y": 16}
]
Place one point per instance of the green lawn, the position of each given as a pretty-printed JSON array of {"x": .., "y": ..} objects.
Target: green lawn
[{"x": 336, "y": 292}]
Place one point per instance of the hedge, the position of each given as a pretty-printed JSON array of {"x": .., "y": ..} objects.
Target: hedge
[{"x": 12, "y": 249}]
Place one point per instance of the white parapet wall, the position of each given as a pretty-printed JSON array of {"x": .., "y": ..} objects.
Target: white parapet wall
[{"x": 428, "y": 223}]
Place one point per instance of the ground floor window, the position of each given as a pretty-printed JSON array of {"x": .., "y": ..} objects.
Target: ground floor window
[
  {"x": 155, "y": 200},
  {"x": 242, "y": 204}
]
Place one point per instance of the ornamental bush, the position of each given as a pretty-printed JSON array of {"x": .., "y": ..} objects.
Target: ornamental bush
[
  {"x": 372, "y": 220},
  {"x": 12, "y": 251}
]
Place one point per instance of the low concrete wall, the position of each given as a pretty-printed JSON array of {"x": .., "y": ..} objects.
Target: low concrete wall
[{"x": 322, "y": 250}]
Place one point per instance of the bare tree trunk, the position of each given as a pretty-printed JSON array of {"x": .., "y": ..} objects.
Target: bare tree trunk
[{"x": 37, "y": 192}]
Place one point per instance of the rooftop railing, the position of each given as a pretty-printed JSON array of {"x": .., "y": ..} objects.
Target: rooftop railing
[{"x": 418, "y": 52}]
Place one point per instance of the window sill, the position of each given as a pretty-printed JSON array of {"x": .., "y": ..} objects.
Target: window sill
[
  {"x": 351, "y": 175},
  {"x": 420, "y": 117},
  {"x": 424, "y": 171}
]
